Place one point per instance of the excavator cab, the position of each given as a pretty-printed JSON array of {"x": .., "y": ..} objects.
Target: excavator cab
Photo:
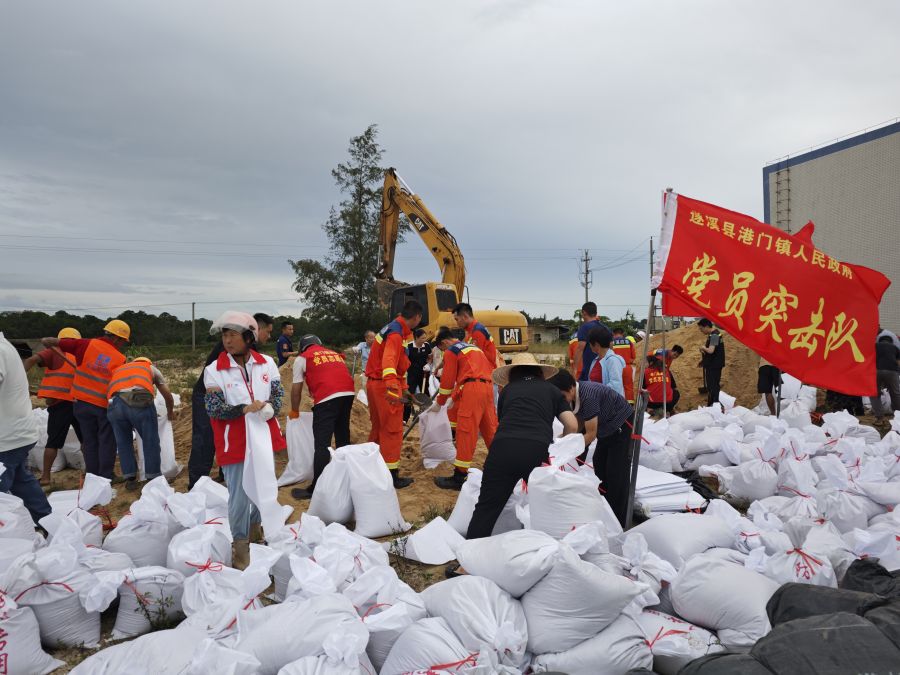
[{"x": 437, "y": 300}]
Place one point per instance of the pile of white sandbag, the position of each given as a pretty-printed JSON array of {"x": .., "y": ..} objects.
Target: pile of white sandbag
[{"x": 69, "y": 455}]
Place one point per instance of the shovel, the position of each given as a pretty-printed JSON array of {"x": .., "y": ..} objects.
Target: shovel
[{"x": 421, "y": 403}]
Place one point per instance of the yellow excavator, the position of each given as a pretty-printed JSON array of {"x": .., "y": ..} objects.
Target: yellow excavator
[{"x": 508, "y": 328}]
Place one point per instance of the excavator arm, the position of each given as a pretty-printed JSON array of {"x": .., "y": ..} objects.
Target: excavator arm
[{"x": 398, "y": 197}]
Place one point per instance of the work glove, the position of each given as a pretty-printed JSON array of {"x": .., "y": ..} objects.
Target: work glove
[
  {"x": 451, "y": 403},
  {"x": 394, "y": 392}
]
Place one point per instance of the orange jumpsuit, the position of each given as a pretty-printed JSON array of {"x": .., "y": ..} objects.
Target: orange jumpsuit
[
  {"x": 467, "y": 378},
  {"x": 385, "y": 382},
  {"x": 573, "y": 344},
  {"x": 478, "y": 335}
]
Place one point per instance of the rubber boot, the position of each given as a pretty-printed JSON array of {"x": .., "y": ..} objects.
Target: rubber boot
[
  {"x": 400, "y": 483},
  {"x": 256, "y": 533},
  {"x": 240, "y": 554},
  {"x": 454, "y": 482}
]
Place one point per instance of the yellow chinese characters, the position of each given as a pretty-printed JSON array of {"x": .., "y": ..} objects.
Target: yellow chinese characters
[
  {"x": 700, "y": 274},
  {"x": 807, "y": 337},
  {"x": 840, "y": 333},
  {"x": 776, "y": 303},
  {"x": 736, "y": 302}
]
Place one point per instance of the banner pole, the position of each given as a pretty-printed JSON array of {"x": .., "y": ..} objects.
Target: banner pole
[
  {"x": 637, "y": 426},
  {"x": 778, "y": 399},
  {"x": 665, "y": 366}
]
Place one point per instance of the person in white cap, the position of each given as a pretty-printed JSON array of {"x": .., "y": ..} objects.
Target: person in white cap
[{"x": 239, "y": 383}]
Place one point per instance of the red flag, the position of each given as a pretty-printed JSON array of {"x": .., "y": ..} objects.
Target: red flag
[{"x": 807, "y": 313}]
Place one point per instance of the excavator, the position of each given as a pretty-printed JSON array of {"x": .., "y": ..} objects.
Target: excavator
[{"x": 508, "y": 328}]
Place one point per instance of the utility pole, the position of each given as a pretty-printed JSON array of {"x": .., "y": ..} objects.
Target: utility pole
[
  {"x": 588, "y": 278},
  {"x": 193, "y": 328}
]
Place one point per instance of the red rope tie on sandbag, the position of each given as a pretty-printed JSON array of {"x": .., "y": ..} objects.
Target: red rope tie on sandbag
[
  {"x": 141, "y": 598},
  {"x": 762, "y": 459},
  {"x": 796, "y": 492},
  {"x": 208, "y": 566},
  {"x": 44, "y": 583},
  {"x": 234, "y": 620},
  {"x": 590, "y": 466},
  {"x": 805, "y": 567},
  {"x": 468, "y": 661},
  {"x": 377, "y": 604},
  {"x": 661, "y": 633},
  {"x": 214, "y": 521}
]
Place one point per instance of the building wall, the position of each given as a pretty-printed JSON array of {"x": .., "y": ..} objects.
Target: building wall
[{"x": 851, "y": 191}]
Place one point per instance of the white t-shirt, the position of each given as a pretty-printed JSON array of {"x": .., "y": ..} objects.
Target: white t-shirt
[
  {"x": 17, "y": 425},
  {"x": 299, "y": 369}
]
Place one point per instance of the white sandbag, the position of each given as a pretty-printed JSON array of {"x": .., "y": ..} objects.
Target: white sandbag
[
  {"x": 724, "y": 597},
  {"x": 591, "y": 543},
  {"x": 290, "y": 542},
  {"x": 712, "y": 439},
  {"x": 796, "y": 476},
  {"x": 50, "y": 583},
  {"x": 375, "y": 503},
  {"x": 468, "y": 497},
  {"x": 165, "y": 652},
  {"x": 387, "y": 607},
  {"x": 36, "y": 454},
  {"x": 15, "y": 519},
  {"x": 346, "y": 555},
  {"x": 675, "y": 537},
  {"x": 674, "y": 642},
  {"x": 362, "y": 397},
  {"x": 559, "y": 500},
  {"x": 331, "y": 500},
  {"x": 796, "y": 415},
  {"x": 20, "y": 642},
  {"x": 746, "y": 532},
  {"x": 216, "y": 496},
  {"x": 308, "y": 579},
  {"x": 434, "y": 544},
  {"x": 191, "y": 549},
  {"x": 515, "y": 561},
  {"x": 300, "y": 448},
  {"x": 800, "y": 566},
  {"x": 343, "y": 655},
  {"x": 573, "y": 602},
  {"x": 279, "y": 634},
  {"x": 143, "y": 535},
  {"x": 435, "y": 438},
  {"x": 616, "y": 650},
  {"x": 214, "y": 657},
  {"x": 75, "y": 504},
  {"x": 645, "y": 566},
  {"x": 694, "y": 420},
  {"x": 425, "y": 646},
  {"x": 480, "y": 614},
  {"x": 10, "y": 549},
  {"x": 751, "y": 480}
]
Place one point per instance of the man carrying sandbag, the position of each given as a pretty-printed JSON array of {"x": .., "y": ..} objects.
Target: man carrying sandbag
[
  {"x": 466, "y": 381},
  {"x": 132, "y": 394},
  {"x": 332, "y": 391},
  {"x": 605, "y": 415}
]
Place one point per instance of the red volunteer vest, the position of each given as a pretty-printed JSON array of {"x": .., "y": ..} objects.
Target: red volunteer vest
[
  {"x": 654, "y": 381},
  {"x": 326, "y": 373}
]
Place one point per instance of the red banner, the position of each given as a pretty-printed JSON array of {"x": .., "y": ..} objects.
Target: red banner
[{"x": 807, "y": 313}]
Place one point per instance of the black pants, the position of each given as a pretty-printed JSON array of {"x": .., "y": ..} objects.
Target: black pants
[
  {"x": 61, "y": 416},
  {"x": 509, "y": 460},
  {"x": 613, "y": 467},
  {"x": 330, "y": 419},
  {"x": 713, "y": 377},
  {"x": 670, "y": 406},
  {"x": 98, "y": 443},
  {"x": 203, "y": 450}
]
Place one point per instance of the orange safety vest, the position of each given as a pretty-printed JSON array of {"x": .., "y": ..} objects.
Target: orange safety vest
[
  {"x": 134, "y": 374},
  {"x": 93, "y": 374},
  {"x": 57, "y": 382}
]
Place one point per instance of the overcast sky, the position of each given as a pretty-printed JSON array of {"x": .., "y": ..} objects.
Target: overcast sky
[{"x": 157, "y": 153}]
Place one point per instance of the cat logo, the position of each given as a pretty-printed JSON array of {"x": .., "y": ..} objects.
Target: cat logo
[
  {"x": 510, "y": 336},
  {"x": 418, "y": 223}
]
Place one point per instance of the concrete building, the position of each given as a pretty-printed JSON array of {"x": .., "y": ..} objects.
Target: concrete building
[{"x": 850, "y": 189}]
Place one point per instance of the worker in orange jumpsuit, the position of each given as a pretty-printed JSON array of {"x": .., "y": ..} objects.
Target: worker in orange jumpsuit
[
  {"x": 386, "y": 387},
  {"x": 466, "y": 379},
  {"x": 624, "y": 347},
  {"x": 478, "y": 335},
  {"x": 573, "y": 345}
]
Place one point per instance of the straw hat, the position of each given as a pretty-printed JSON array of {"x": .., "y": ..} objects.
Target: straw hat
[{"x": 501, "y": 374}]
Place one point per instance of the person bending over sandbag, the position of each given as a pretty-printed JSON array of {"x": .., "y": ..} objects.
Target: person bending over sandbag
[
  {"x": 605, "y": 415},
  {"x": 242, "y": 383},
  {"x": 527, "y": 406}
]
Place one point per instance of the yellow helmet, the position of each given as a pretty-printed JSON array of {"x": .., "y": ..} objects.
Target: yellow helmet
[
  {"x": 142, "y": 358},
  {"x": 118, "y": 328},
  {"x": 69, "y": 333}
]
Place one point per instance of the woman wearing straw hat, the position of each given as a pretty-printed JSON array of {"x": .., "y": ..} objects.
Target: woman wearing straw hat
[{"x": 526, "y": 409}]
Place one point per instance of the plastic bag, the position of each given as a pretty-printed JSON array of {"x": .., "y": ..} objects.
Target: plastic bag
[
  {"x": 299, "y": 436},
  {"x": 374, "y": 498}
]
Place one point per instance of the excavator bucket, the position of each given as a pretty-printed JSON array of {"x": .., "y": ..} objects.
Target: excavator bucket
[{"x": 384, "y": 289}]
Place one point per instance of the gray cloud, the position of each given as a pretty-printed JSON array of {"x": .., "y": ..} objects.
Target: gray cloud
[{"x": 532, "y": 130}]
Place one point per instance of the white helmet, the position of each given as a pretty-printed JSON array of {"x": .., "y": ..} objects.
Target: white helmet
[{"x": 233, "y": 320}]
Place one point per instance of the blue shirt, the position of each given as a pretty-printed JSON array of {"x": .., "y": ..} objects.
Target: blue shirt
[
  {"x": 611, "y": 367},
  {"x": 282, "y": 345},
  {"x": 587, "y": 356}
]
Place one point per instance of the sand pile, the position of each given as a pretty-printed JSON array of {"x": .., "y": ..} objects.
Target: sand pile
[{"x": 738, "y": 377}]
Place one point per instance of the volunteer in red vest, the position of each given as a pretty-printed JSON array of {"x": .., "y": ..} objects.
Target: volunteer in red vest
[
  {"x": 332, "y": 391},
  {"x": 56, "y": 390},
  {"x": 241, "y": 382},
  {"x": 624, "y": 347},
  {"x": 95, "y": 360},
  {"x": 132, "y": 408},
  {"x": 466, "y": 381},
  {"x": 660, "y": 385},
  {"x": 386, "y": 386}
]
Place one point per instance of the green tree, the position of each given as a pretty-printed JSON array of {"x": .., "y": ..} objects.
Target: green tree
[{"x": 341, "y": 287}]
